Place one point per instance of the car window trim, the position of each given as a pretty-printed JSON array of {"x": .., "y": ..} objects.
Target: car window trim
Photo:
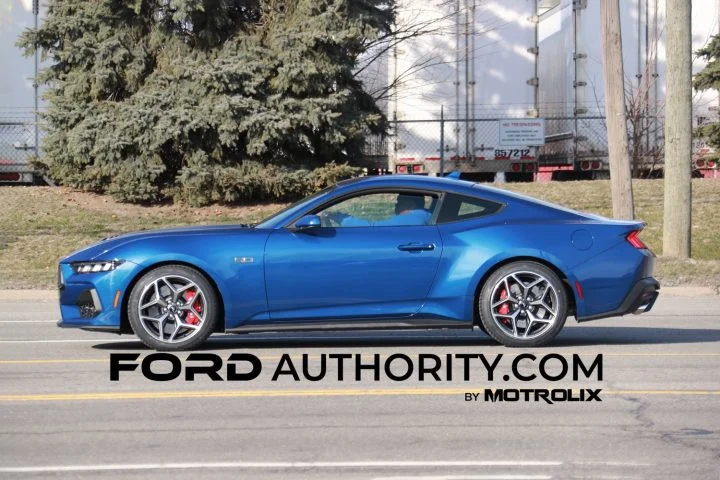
[
  {"x": 424, "y": 191},
  {"x": 501, "y": 204}
]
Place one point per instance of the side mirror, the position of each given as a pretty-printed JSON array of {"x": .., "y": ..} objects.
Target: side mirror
[{"x": 308, "y": 222}]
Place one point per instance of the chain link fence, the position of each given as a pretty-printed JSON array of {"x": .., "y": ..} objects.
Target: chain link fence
[
  {"x": 569, "y": 142},
  {"x": 376, "y": 151},
  {"x": 573, "y": 139},
  {"x": 17, "y": 145},
  {"x": 453, "y": 142}
]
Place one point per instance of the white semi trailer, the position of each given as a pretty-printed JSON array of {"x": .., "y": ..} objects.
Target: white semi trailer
[
  {"x": 452, "y": 86},
  {"x": 487, "y": 60}
]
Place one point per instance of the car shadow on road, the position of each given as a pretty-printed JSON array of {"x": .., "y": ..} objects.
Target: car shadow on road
[{"x": 569, "y": 337}]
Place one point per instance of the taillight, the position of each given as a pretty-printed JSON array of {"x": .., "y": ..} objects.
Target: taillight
[
  {"x": 634, "y": 239},
  {"x": 9, "y": 177}
]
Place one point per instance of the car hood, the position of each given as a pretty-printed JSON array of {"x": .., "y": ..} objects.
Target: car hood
[{"x": 98, "y": 251}]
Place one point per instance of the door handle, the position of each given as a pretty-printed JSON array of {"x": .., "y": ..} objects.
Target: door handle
[{"x": 416, "y": 247}]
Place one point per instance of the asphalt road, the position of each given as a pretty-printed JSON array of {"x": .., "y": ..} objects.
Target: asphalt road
[{"x": 62, "y": 417}]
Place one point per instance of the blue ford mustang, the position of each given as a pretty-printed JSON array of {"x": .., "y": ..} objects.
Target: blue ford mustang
[{"x": 378, "y": 252}]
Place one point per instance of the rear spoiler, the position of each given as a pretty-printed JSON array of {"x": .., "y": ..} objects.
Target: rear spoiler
[{"x": 626, "y": 227}]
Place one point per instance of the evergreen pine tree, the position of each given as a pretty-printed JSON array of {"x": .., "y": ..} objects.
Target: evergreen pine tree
[
  {"x": 709, "y": 78},
  {"x": 150, "y": 99}
]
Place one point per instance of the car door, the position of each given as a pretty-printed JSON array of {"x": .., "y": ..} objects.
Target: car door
[{"x": 371, "y": 270}]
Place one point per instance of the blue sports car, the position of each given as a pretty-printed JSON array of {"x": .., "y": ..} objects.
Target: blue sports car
[{"x": 390, "y": 252}]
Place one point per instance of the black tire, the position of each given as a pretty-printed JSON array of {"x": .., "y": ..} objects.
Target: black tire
[
  {"x": 179, "y": 273},
  {"x": 540, "y": 332}
]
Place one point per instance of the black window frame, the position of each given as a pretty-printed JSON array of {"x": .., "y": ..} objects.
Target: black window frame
[{"x": 447, "y": 202}]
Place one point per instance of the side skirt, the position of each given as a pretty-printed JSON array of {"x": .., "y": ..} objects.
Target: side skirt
[{"x": 339, "y": 325}]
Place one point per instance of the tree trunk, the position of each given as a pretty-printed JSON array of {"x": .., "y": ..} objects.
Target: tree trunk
[
  {"x": 614, "y": 81},
  {"x": 678, "y": 131}
]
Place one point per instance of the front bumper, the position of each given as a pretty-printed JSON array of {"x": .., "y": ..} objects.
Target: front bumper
[
  {"x": 88, "y": 301},
  {"x": 106, "y": 328},
  {"x": 641, "y": 299}
]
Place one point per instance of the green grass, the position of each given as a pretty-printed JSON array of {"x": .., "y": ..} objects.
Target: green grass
[{"x": 38, "y": 225}]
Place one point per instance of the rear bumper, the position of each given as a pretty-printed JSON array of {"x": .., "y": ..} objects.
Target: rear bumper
[{"x": 641, "y": 299}]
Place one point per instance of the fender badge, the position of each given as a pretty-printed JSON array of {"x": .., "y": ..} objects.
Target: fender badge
[{"x": 244, "y": 259}]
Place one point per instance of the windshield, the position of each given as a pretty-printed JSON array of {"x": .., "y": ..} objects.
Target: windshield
[{"x": 292, "y": 209}]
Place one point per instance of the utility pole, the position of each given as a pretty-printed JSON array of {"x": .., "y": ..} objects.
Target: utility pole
[
  {"x": 36, "y": 12},
  {"x": 614, "y": 81},
  {"x": 678, "y": 130}
]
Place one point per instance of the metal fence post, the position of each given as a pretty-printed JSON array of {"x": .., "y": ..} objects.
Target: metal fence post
[{"x": 442, "y": 140}]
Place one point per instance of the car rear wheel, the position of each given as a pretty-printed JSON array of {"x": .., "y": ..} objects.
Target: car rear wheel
[
  {"x": 523, "y": 304},
  {"x": 173, "y": 308}
]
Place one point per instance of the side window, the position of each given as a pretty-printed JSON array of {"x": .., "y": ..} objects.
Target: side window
[
  {"x": 380, "y": 209},
  {"x": 460, "y": 207}
]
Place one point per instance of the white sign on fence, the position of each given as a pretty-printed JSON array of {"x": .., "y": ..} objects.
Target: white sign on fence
[{"x": 522, "y": 132}]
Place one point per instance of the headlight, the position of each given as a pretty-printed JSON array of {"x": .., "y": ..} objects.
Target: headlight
[{"x": 95, "y": 267}]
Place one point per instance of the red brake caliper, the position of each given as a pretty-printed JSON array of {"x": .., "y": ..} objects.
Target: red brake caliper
[
  {"x": 505, "y": 307},
  {"x": 191, "y": 318}
]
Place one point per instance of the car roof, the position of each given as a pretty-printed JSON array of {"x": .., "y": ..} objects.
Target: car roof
[
  {"x": 420, "y": 182},
  {"x": 444, "y": 184},
  {"x": 456, "y": 186},
  {"x": 410, "y": 181}
]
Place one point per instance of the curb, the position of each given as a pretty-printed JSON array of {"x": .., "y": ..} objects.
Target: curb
[
  {"x": 689, "y": 291},
  {"x": 13, "y": 295},
  {"x": 52, "y": 295}
]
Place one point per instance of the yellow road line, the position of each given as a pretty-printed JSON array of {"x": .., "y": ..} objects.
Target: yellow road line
[
  {"x": 35, "y": 362},
  {"x": 660, "y": 354},
  {"x": 662, "y": 392},
  {"x": 377, "y": 392},
  {"x": 230, "y": 394},
  {"x": 107, "y": 360},
  {"x": 317, "y": 357}
]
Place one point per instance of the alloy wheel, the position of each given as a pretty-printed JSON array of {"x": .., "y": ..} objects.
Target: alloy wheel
[
  {"x": 172, "y": 309},
  {"x": 524, "y": 305}
]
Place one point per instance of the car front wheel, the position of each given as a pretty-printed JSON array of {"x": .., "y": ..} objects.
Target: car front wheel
[
  {"x": 173, "y": 308},
  {"x": 523, "y": 304}
]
